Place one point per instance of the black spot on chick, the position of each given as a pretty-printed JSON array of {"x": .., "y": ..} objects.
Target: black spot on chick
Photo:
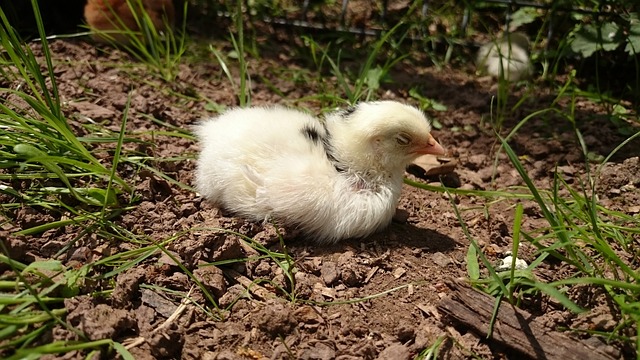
[
  {"x": 348, "y": 111},
  {"x": 311, "y": 134},
  {"x": 328, "y": 149}
]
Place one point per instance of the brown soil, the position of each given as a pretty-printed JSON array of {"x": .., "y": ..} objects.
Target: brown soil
[{"x": 405, "y": 269}]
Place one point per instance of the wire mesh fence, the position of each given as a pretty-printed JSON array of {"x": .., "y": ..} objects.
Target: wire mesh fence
[{"x": 370, "y": 18}]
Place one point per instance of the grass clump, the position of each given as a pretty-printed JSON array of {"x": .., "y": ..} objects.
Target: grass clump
[
  {"x": 364, "y": 84},
  {"x": 595, "y": 246},
  {"x": 45, "y": 166},
  {"x": 243, "y": 87},
  {"x": 34, "y": 307},
  {"x": 151, "y": 40}
]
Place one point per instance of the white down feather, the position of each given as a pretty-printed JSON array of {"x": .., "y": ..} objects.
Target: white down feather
[{"x": 265, "y": 163}]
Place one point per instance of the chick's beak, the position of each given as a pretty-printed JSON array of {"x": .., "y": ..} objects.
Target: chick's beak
[{"x": 431, "y": 147}]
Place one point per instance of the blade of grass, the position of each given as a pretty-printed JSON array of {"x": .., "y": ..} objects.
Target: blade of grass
[{"x": 517, "y": 222}]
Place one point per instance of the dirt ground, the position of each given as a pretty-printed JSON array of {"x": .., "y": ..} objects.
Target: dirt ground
[{"x": 406, "y": 269}]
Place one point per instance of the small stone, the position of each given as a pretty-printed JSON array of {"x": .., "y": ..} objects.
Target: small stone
[
  {"x": 232, "y": 295},
  {"x": 187, "y": 209},
  {"x": 474, "y": 179},
  {"x": 450, "y": 180},
  {"x": 81, "y": 254},
  {"x": 487, "y": 173},
  {"x": 566, "y": 169},
  {"x": 350, "y": 278},
  {"x": 441, "y": 259},
  {"x": 276, "y": 319},
  {"x": 427, "y": 166},
  {"x": 603, "y": 322},
  {"x": 405, "y": 333},
  {"x": 165, "y": 259},
  {"x": 262, "y": 269},
  {"x": 213, "y": 280},
  {"x": 320, "y": 351},
  {"x": 329, "y": 273},
  {"x": 395, "y": 352},
  {"x": 476, "y": 161},
  {"x": 308, "y": 315},
  {"x": 226, "y": 248},
  {"x": 158, "y": 302}
]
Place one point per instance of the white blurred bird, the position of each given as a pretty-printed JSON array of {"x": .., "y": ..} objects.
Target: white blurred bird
[
  {"x": 506, "y": 58},
  {"x": 333, "y": 179}
]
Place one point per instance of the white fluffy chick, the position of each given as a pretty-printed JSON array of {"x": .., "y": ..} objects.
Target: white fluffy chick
[
  {"x": 506, "y": 58},
  {"x": 333, "y": 179}
]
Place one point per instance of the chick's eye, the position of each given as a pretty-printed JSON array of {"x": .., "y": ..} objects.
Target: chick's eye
[{"x": 403, "y": 139}]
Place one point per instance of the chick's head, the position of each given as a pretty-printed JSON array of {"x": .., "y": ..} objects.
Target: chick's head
[{"x": 383, "y": 136}]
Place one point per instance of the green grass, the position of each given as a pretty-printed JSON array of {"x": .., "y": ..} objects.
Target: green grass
[
  {"x": 67, "y": 176},
  {"x": 369, "y": 77},
  {"x": 38, "y": 142},
  {"x": 243, "y": 88},
  {"x": 27, "y": 313},
  {"x": 161, "y": 50},
  {"x": 595, "y": 243},
  {"x": 432, "y": 351}
]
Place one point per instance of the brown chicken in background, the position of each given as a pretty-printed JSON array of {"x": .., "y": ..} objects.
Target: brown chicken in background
[{"x": 117, "y": 15}]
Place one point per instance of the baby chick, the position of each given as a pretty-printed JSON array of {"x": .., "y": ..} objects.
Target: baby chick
[
  {"x": 506, "y": 58},
  {"x": 117, "y": 15},
  {"x": 333, "y": 179}
]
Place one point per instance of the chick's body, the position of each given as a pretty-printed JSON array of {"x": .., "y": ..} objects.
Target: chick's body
[{"x": 335, "y": 179}]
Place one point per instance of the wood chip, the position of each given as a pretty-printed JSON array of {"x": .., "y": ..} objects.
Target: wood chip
[
  {"x": 514, "y": 328},
  {"x": 370, "y": 274},
  {"x": 432, "y": 165},
  {"x": 398, "y": 272}
]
